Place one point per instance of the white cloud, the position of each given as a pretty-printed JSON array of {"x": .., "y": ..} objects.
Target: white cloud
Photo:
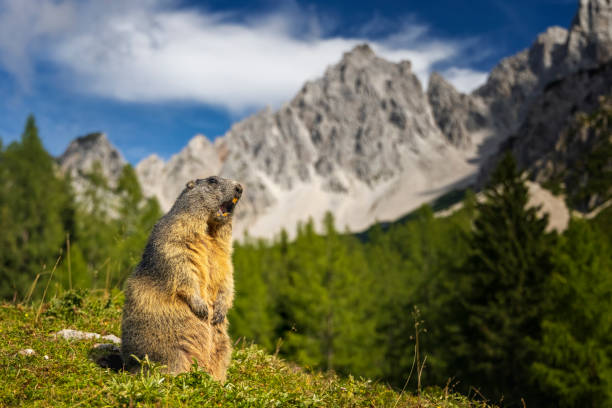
[
  {"x": 22, "y": 26},
  {"x": 151, "y": 51}
]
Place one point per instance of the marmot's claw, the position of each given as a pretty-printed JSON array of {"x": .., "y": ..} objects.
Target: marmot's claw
[{"x": 218, "y": 317}]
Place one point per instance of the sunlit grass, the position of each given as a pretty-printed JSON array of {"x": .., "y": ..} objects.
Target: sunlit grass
[{"x": 61, "y": 374}]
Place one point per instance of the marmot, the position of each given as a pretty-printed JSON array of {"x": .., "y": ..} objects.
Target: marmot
[{"x": 177, "y": 298}]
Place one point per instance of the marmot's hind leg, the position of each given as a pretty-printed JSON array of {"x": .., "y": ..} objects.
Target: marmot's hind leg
[
  {"x": 181, "y": 363},
  {"x": 194, "y": 344},
  {"x": 221, "y": 353}
]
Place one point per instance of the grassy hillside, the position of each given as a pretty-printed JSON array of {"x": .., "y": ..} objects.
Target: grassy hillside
[{"x": 61, "y": 374}]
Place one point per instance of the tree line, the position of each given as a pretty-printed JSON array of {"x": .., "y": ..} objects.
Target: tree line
[
  {"x": 485, "y": 300},
  {"x": 90, "y": 243}
]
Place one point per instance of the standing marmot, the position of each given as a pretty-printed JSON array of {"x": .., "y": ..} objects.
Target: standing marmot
[{"x": 178, "y": 296}]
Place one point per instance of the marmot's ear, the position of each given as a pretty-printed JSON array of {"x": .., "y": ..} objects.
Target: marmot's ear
[{"x": 190, "y": 184}]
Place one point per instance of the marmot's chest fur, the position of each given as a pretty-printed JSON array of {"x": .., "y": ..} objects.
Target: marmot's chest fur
[{"x": 212, "y": 263}]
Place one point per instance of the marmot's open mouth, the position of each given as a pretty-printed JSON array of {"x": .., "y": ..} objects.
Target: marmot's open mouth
[{"x": 227, "y": 207}]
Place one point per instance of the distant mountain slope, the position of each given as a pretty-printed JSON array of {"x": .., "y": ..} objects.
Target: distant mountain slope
[
  {"x": 552, "y": 141},
  {"x": 566, "y": 139},
  {"x": 368, "y": 143},
  {"x": 361, "y": 142},
  {"x": 86, "y": 152}
]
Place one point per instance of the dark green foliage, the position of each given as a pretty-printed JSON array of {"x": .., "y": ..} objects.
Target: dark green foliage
[
  {"x": 314, "y": 294},
  {"x": 64, "y": 306},
  {"x": 328, "y": 305},
  {"x": 573, "y": 360},
  {"x": 336, "y": 303},
  {"x": 35, "y": 212},
  {"x": 112, "y": 229},
  {"x": 254, "y": 316},
  {"x": 94, "y": 242},
  {"x": 410, "y": 263},
  {"x": 499, "y": 296}
]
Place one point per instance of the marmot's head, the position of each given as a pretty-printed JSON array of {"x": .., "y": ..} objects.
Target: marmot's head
[{"x": 213, "y": 197}]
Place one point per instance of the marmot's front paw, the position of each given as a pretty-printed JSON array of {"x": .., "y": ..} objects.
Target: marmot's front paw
[
  {"x": 218, "y": 317},
  {"x": 199, "y": 307}
]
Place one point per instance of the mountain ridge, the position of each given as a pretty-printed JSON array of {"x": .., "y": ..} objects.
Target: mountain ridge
[{"x": 369, "y": 143}]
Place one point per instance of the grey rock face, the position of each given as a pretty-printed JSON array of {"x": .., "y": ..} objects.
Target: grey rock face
[
  {"x": 363, "y": 124},
  {"x": 83, "y": 152},
  {"x": 199, "y": 159},
  {"x": 517, "y": 79},
  {"x": 357, "y": 119},
  {"x": 563, "y": 73},
  {"x": 590, "y": 38},
  {"x": 362, "y": 117},
  {"x": 514, "y": 83},
  {"x": 365, "y": 142},
  {"x": 549, "y": 143},
  {"x": 457, "y": 115}
]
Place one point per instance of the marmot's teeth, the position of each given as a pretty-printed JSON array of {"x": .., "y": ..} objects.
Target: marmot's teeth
[{"x": 235, "y": 200}]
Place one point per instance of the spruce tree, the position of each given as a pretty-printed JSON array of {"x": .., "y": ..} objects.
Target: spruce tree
[
  {"x": 253, "y": 317},
  {"x": 573, "y": 361},
  {"x": 499, "y": 291},
  {"x": 37, "y": 212},
  {"x": 328, "y": 304}
]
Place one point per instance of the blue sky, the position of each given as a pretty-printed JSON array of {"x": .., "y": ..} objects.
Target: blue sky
[{"x": 153, "y": 73}]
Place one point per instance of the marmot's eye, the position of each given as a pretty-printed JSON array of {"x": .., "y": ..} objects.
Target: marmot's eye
[{"x": 213, "y": 180}]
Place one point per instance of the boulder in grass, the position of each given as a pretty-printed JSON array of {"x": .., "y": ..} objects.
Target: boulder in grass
[{"x": 70, "y": 334}]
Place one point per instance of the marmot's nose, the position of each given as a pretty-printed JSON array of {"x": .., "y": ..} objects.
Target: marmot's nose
[{"x": 238, "y": 190}]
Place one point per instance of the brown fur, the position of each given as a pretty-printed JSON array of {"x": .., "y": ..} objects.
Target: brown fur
[{"x": 178, "y": 296}]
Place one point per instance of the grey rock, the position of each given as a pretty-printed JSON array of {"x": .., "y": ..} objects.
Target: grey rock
[
  {"x": 549, "y": 143},
  {"x": 358, "y": 127},
  {"x": 83, "y": 152},
  {"x": 113, "y": 338},
  {"x": 26, "y": 352},
  {"x": 70, "y": 334},
  {"x": 366, "y": 142},
  {"x": 106, "y": 355},
  {"x": 199, "y": 159},
  {"x": 557, "y": 53},
  {"x": 457, "y": 115},
  {"x": 590, "y": 38},
  {"x": 514, "y": 82},
  {"x": 81, "y": 158},
  {"x": 542, "y": 89}
]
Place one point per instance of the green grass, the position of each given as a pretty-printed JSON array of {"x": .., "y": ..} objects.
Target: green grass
[{"x": 255, "y": 379}]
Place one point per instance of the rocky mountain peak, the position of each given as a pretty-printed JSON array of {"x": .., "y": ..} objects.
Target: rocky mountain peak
[
  {"x": 83, "y": 152},
  {"x": 457, "y": 115},
  {"x": 360, "y": 51},
  {"x": 516, "y": 81},
  {"x": 365, "y": 140},
  {"x": 199, "y": 159},
  {"x": 590, "y": 37},
  {"x": 199, "y": 142},
  {"x": 546, "y": 51}
]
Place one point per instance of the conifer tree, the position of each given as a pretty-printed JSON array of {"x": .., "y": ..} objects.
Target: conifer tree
[
  {"x": 253, "y": 316},
  {"x": 499, "y": 295},
  {"x": 573, "y": 361},
  {"x": 36, "y": 206},
  {"x": 136, "y": 217},
  {"x": 328, "y": 304}
]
